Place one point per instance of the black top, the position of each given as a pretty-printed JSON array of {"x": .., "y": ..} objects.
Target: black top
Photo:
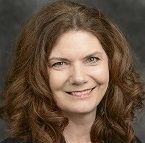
[{"x": 10, "y": 140}]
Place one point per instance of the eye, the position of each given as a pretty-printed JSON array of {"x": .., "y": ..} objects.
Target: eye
[
  {"x": 59, "y": 65},
  {"x": 92, "y": 59}
]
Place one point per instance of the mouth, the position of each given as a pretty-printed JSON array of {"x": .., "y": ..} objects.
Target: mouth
[{"x": 83, "y": 93}]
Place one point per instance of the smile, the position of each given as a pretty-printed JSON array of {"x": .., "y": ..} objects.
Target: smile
[{"x": 81, "y": 94}]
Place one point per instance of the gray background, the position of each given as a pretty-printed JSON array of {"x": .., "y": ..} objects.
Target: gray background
[{"x": 128, "y": 14}]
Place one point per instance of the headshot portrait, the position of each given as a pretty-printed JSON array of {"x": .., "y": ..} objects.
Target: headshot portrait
[{"x": 73, "y": 78}]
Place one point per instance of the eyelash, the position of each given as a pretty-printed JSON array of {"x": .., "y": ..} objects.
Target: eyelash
[
  {"x": 93, "y": 59},
  {"x": 62, "y": 64},
  {"x": 59, "y": 64}
]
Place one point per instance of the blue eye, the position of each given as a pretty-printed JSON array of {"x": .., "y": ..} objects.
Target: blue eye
[
  {"x": 92, "y": 59},
  {"x": 58, "y": 64}
]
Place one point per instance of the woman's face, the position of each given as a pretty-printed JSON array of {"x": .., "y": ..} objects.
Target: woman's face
[{"x": 78, "y": 72}]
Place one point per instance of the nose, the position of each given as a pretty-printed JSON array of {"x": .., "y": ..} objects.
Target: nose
[{"x": 78, "y": 75}]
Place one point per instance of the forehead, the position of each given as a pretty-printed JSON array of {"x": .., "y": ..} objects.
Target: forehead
[{"x": 75, "y": 43}]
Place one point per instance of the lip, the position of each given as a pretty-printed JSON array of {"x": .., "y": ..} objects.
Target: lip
[{"x": 81, "y": 94}]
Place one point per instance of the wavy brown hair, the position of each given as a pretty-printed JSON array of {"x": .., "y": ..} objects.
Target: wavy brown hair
[{"x": 28, "y": 102}]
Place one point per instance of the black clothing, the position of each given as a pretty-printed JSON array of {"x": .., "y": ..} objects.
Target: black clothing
[
  {"x": 138, "y": 141},
  {"x": 10, "y": 140}
]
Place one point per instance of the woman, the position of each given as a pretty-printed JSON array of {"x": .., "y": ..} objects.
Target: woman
[{"x": 73, "y": 79}]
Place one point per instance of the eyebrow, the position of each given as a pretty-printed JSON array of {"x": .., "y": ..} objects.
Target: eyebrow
[
  {"x": 65, "y": 59},
  {"x": 92, "y": 54}
]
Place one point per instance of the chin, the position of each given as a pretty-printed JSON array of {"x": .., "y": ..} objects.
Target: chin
[{"x": 81, "y": 110}]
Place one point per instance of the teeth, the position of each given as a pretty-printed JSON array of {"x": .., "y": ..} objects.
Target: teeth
[{"x": 80, "y": 93}]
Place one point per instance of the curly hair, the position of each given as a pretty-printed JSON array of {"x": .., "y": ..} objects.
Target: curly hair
[{"x": 29, "y": 106}]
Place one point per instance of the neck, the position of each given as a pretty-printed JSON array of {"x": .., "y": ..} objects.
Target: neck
[{"x": 79, "y": 127}]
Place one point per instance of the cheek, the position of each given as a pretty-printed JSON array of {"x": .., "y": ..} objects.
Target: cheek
[
  {"x": 101, "y": 74},
  {"x": 56, "y": 79},
  {"x": 104, "y": 74}
]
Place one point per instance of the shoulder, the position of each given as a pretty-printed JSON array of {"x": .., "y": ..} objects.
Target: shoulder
[
  {"x": 11, "y": 140},
  {"x": 138, "y": 141}
]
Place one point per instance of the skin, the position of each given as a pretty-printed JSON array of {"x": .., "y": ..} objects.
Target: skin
[{"x": 78, "y": 76}]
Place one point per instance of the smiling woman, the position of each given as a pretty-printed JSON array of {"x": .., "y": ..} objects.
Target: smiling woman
[
  {"x": 78, "y": 80},
  {"x": 72, "y": 81}
]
